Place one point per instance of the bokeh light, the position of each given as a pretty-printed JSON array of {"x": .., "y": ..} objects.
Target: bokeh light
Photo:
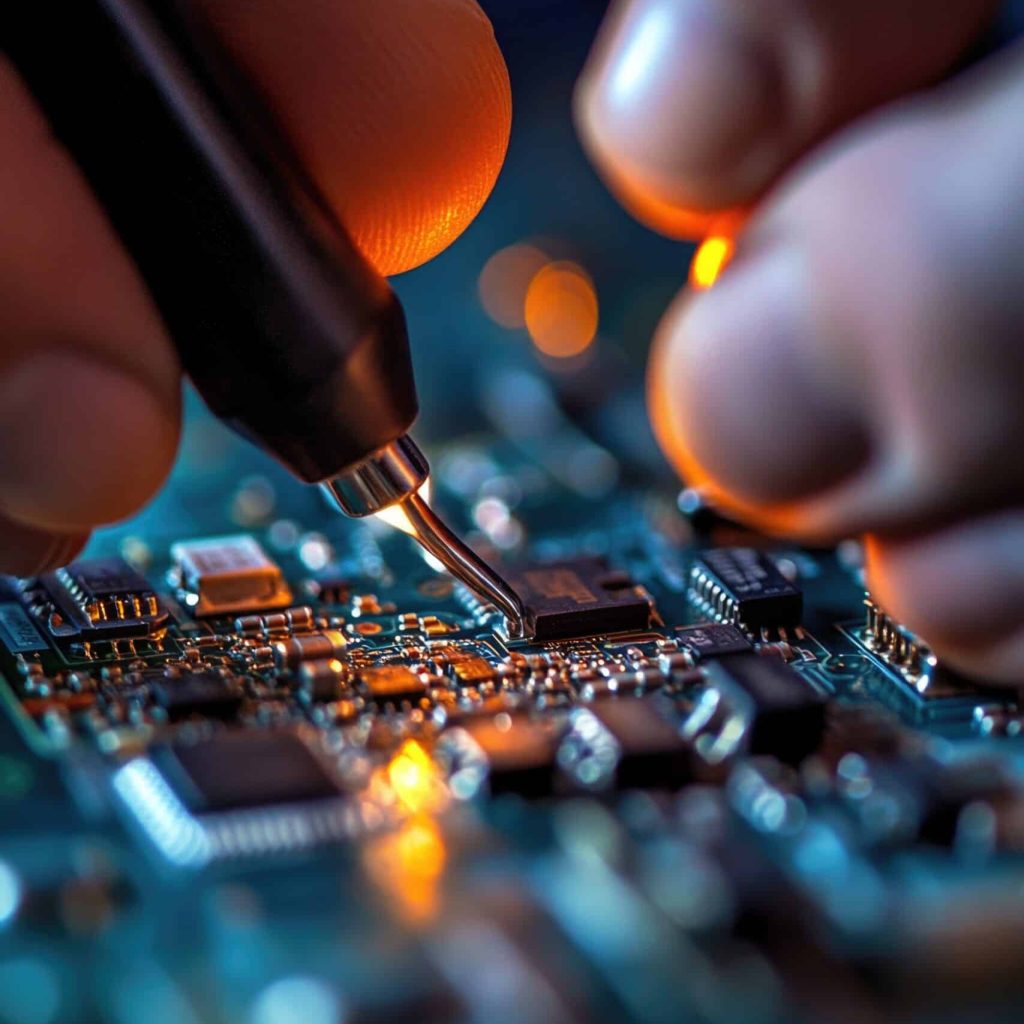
[
  {"x": 710, "y": 259},
  {"x": 503, "y": 283},
  {"x": 561, "y": 310}
]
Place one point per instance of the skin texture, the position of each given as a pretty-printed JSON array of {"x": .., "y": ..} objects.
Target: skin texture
[
  {"x": 401, "y": 110},
  {"x": 858, "y": 368}
]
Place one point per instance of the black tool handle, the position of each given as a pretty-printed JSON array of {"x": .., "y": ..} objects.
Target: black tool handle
[{"x": 286, "y": 330}]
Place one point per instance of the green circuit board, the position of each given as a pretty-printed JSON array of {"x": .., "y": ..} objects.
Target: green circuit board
[{"x": 252, "y": 752}]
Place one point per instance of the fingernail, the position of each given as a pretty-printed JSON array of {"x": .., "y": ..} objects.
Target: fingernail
[
  {"x": 81, "y": 441},
  {"x": 680, "y": 104},
  {"x": 750, "y": 389}
]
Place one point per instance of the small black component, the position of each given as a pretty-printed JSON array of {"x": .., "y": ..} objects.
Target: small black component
[
  {"x": 651, "y": 753},
  {"x": 99, "y": 597},
  {"x": 744, "y": 586},
  {"x": 713, "y": 640},
  {"x": 236, "y": 769},
  {"x": 786, "y": 714},
  {"x": 198, "y": 693},
  {"x": 581, "y": 597},
  {"x": 520, "y": 751}
]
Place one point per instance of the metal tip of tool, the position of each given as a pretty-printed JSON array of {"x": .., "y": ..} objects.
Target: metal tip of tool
[{"x": 464, "y": 564}]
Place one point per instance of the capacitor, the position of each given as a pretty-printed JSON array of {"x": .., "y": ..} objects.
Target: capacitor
[{"x": 331, "y": 643}]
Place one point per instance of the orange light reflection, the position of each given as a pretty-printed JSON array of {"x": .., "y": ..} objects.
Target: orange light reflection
[
  {"x": 710, "y": 259},
  {"x": 561, "y": 310},
  {"x": 504, "y": 280}
]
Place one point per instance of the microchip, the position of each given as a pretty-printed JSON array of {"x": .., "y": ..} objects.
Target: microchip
[
  {"x": 582, "y": 597},
  {"x": 223, "y": 575},
  {"x": 238, "y": 769},
  {"x": 744, "y": 586},
  {"x": 518, "y": 752},
  {"x": 97, "y": 597},
  {"x": 197, "y": 693},
  {"x": 712, "y": 641},
  {"x": 473, "y": 670},
  {"x": 389, "y": 683},
  {"x": 646, "y": 749},
  {"x": 786, "y": 714}
]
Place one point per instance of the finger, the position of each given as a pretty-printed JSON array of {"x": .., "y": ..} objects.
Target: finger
[
  {"x": 963, "y": 589},
  {"x": 695, "y": 106},
  {"x": 27, "y": 551},
  {"x": 400, "y": 109},
  {"x": 88, "y": 381},
  {"x": 859, "y": 367}
]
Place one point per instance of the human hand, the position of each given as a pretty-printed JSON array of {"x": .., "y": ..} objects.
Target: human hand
[
  {"x": 859, "y": 368},
  {"x": 401, "y": 111}
]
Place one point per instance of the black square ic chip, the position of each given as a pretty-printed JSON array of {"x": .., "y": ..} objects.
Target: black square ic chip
[{"x": 581, "y": 597}]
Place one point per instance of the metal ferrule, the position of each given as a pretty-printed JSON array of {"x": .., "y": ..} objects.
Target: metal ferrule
[{"x": 389, "y": 475}]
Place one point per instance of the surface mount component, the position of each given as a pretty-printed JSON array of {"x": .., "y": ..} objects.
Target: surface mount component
[
  {"x": 630, "y": 743},
  {"x": 99, "y": 597},
  {"x": 222, "y": 575},
  {"x": 582, "y": 597},
  {"x": 785, "y": 715},
  {"x": 234, "y": 793},
  {"x": 203, "y": 694},
  {"x": 712, "y": 641},
  {"x": 744, "y": 586}
]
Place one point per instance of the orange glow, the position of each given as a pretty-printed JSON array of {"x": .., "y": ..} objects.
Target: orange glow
[
  {"x": 408, "y": 865},
  {"x": 710, "y": 259},
  {"x": 415, "y": 780},
  {"x": 504, "y": 280},
  {"x": 561, "y": 310}
]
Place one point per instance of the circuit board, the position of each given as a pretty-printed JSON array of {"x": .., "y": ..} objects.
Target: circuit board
[{"x": 266, "y": 765}]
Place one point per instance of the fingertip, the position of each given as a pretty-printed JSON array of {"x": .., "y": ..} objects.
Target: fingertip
[
  {"x": 677, "y": 106},
  {"x": 961, "y": 589},
  {"x": 83, "y": 442},
  {"x": 401, "y": 110},
  {"x": 736, "y": 399}
]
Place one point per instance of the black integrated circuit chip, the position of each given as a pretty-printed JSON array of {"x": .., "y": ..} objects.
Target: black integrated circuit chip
[
  {"x": 743, "y": 585},
  {"x": 581, "y": 597},
  {"x": 649, "y": 750},
  {"x": 237, "y": 769},
  {"x": 98, "y": 597},
  {"x": 197, "y": 693},
  {"x": 786, "y": 714},
  {"x": 712, "y": 640},
  {"x": 519, "y": 751}
]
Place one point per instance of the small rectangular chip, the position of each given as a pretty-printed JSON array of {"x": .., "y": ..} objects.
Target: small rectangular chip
[
  {"x": 472, "y": 670},
  {"x": 229, "y": 574},
  {"x": 197, "y": 693},
  {"x": 389, "y": 683},
  {"x": 238, "y": 769},
  {"x": 786, "y": 714},
  {"x": 744, "y": 586},
  {"x": 652, "y": 754},
  {"x": 520, "y": 751},
  {"x": 581, "y": 597},
  {"x": 96, "y": 597},
  {"x": 713, "y": 640}
]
